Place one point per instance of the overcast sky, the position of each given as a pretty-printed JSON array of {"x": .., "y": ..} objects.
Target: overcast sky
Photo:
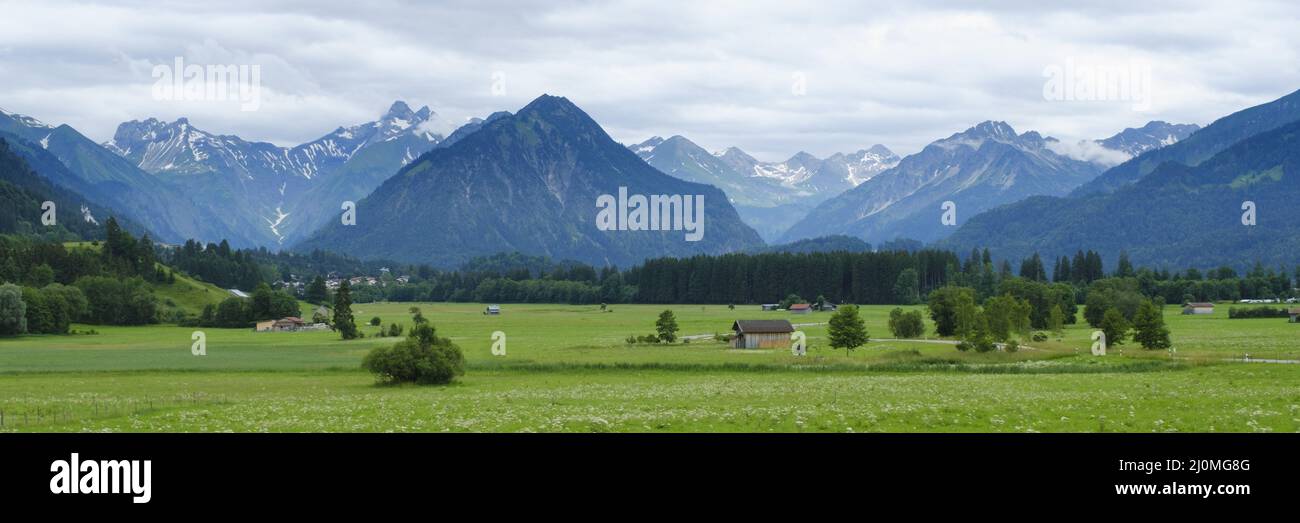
[{"x": 772, "y": 78}]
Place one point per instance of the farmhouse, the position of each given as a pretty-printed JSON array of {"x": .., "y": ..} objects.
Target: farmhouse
[
  {"x": 761, "y": 334},
  {"x": 1198, "y": 308},
  {"x": 289, "y": 324},
  {"x": 827, "y": 306},
  {"x": 771, "y": 306},
  {"x": 800, "y": 308}
]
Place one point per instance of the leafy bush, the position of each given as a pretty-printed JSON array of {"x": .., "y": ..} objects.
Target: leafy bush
[
  {"x": 1040, "y": 336},
  {"x": 422, "y": 358},
  {"x": 375, "y": 321},
  {"x": 906, "y": 324},
  {"x": 1012, "y": 346}
]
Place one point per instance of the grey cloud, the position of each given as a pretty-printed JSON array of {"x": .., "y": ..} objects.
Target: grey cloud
[{"x": 897, "y": 73}]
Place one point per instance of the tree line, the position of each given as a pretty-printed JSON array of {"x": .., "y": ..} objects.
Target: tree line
[{"x": 48, "y": 286}]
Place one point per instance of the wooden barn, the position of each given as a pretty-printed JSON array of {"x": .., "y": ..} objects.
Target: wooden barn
[
  {"x": 1295, "y": 315},
  {"x": 289, "y": 324},
  {"x": 800, "y": 308},
  {"x": 1198, "y": 308},
  {"x": 761, "y": 334}
]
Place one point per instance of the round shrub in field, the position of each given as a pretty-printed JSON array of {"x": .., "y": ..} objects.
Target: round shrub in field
[{"x": 422, "y": 358}]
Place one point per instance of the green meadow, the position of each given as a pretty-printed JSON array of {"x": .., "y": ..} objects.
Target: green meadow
[{"x": 568, "y": 368}]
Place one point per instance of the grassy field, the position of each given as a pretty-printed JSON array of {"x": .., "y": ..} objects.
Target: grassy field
[{"x": 567, "y": 368}]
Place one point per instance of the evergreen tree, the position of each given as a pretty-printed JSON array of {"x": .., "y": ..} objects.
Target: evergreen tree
[
  {"x": 1125, "y": 267},
  {"x": 1095, "y": 269},
  {"x": 906, "y": 287},
  {"x": 1032, "y": 268},
  {"x": 1062, "y": 271},
  {"x": 1149, "y": 328},
  {"x": 316, "y": 292},
  {"x": 343, "y": 321}
]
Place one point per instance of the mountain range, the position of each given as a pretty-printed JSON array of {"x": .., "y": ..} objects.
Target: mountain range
[
  {"x": 980, "y": 168},
  {"x": 111, "y": 181},
  {"x": 277, "y": 194},
  {"x": 529, "y": 182},
  {"x": 1177, "y": 206},
  {"x": 23, "y": 194},
  {"x": 768, "y": 195}
]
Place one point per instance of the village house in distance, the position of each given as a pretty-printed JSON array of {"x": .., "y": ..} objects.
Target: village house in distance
[
  {"x": 288, "y": 324},
  {"x": 761, "y": 334}
]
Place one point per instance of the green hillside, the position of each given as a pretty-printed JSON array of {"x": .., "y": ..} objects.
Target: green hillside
[{"x": 186, "y": 293}]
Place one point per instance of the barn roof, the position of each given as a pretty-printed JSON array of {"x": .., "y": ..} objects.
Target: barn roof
[
  {"x": 762, "y": 326},
  {"x": 1199, "y": 305}
]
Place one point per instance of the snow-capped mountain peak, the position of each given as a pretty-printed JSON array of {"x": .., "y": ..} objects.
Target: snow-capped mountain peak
[
  {"x": 1153, "y": 135},
  {"x": 647, "y": 146},
  {"x": 25, "y": 120},
  {"x": 272, "y": 181},
  {"x": 863, "y": 164}
]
